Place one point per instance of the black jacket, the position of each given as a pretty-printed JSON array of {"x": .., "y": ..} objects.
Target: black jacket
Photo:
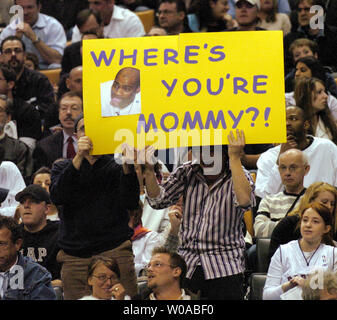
[{"x": 95, "y": 200}]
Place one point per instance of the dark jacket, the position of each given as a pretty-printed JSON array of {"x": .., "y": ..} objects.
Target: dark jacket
[
  {"x": 48, "y": 150},
  {"x": 19, "y": 153},
  {"x": 95, "y": 200},
  {"x": 71, "y": 57},
  {"x": 35, "y": 88},
  {"x": 36, "y": 283},
  {"x": 42, "y": 247}
]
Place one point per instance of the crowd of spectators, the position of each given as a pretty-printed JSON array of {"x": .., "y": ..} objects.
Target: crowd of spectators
[{"x": 87, "y": 227}]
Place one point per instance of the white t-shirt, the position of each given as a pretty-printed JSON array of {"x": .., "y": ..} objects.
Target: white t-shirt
[{"x": 123, "y": 24}]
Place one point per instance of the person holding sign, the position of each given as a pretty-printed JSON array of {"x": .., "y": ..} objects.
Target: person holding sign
[
  {"x": 95, "y": 193},
  {"x": 212, "y": 239},
  {"x": 124, "y": 93}
]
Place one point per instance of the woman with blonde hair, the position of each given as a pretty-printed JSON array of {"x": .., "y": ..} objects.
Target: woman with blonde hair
[{"x": 287, "y": 229}]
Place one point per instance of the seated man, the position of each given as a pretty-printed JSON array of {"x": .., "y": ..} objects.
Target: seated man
[
  {"x": 15, "y": 150},
  {"x": 166, "y": 273},
  {"x": 41, "y": 34},
  {"x": 118, "y": 22},
  {"x": 71, "y": 82},
  {"x": 62, "y": 144},
  {"x": 20, "y": 277},
  {"x": 321, "y": 154},
  {"x": 293, "y": 167},
  {"x": 172, "y": 16},
  {"x": 39, "y": 235}
]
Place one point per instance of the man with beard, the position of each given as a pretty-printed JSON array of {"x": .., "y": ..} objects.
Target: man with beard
[
  {"x": 63, "y": 143},
  {"x": 321, "y": 154},
  {"x": 246, "y": 15},
  {"x": 30, "y": 86},
  {"x": 41, "y": 34}
]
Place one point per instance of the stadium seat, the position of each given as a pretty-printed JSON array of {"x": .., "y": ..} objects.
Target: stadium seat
[
  {"x": 147, "y": 18},
  {"x": 256, "y": 284},
  {"x": 52, "y": 74},
  {"x": 262, "y": 252}
]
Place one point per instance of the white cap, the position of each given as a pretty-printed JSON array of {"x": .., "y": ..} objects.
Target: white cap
[{"x": 253, "y": 2}]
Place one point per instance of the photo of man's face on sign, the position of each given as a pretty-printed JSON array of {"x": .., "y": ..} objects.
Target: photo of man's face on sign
[{"x": 121, "y": 96}]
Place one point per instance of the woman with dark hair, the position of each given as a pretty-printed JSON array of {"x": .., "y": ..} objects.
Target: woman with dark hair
[
  {"x": 296, "y": 260},
  {"x": 213, "y": 17},
  {"x": 310, "y": 95},
  {"x": 270, "y": 19},
  {"x": 103, "y": 280}
]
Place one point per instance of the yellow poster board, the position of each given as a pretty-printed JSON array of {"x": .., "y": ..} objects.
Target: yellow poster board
[{"x": 194, "y": 89}]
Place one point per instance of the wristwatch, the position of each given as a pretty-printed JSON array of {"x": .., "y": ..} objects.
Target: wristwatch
[{"x": 37, "y": 39}]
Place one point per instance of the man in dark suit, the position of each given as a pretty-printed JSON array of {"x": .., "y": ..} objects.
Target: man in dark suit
[{"x": 63, "y": 143}]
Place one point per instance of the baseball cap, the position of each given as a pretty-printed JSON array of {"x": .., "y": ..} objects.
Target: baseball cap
[
  {"x": 3, "y": 194},
  {"x": 35, "y": 192},
  {"x": 253, "y": 2}
]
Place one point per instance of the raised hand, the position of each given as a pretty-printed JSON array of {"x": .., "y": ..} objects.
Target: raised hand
[{"x": 236, "y": 145}]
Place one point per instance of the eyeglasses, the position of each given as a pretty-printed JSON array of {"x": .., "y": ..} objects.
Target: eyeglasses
[
  {"x": 4, "y": 245},
  {"x": 10, "y": 51},
  {"x": 104, "y": 277},
  {"x": 157, "y": 264},
  {"x": 164, "y": 12},
  {"x": 72, "y": 108}
]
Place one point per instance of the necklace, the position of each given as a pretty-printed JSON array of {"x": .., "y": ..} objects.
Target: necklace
[{"x": 307, "y": 260}]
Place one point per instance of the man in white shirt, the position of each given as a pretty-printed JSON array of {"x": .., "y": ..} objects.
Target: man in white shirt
[
  {"x": 321, "y": 154},
  {"x": 124, "y": 93},
  {"x": 118, "y": 22},
  {"x": 41, "y": 34}
]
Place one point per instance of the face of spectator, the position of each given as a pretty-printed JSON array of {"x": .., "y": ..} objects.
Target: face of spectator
[
  {"x": 91, "y": 25},
  {"x": 104, "y": 7},
  {"x": 80, "y": 129},
  {"x": 160, "y": 272},
  {"x": 30, "y": 10},
  {"x": 70, "y": 108},
  {"x": 13, "y": 55},
  {"x": 246, "y": 13},
  {"x": 312, "y": 226},
  {"x": 33, "y": 213},
  {"x": 296, "y": 125},
  {"x": 101, "y": 281},
  {"x": 301, "y": 52},
  {"x": 302, "y": 71},
  {"x": 304, "y": 14},
  {"x": 157, "y": 32},
  {"x": 168, "y": 16},
  {"x": 292, "y": 170},
  {"x": 8, "y": 249},
  {"x": 124, "y": 88},
  {"x": 266, "y": 5},
  {"x": 43, "y": 180},
  {"x": 219, "y": 8},
  {"x": 319, "y": 97},
  {"x": 328, "y": 199},
  {"x": 29, "y": 64},
  {"x": 74, "y": 81}
]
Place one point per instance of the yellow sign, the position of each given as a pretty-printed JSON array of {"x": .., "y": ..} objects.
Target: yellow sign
[{"x": 184, "y": 90}]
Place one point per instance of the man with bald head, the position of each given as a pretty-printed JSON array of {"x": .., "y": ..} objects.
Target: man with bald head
[
  {"x": 124, "y": 94},
  {"x": 293, "y": 166},
  {"x": 321, "y": 154},
  {"x": 74, "y": 81}
]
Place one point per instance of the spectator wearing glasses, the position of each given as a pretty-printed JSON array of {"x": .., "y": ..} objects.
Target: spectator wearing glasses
[
  {"x": 324, "y": 35},
  {"x": 103, "y": 280},
  {"x": 165, "y": 277},
  {"x": 172, "y": 16}
]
